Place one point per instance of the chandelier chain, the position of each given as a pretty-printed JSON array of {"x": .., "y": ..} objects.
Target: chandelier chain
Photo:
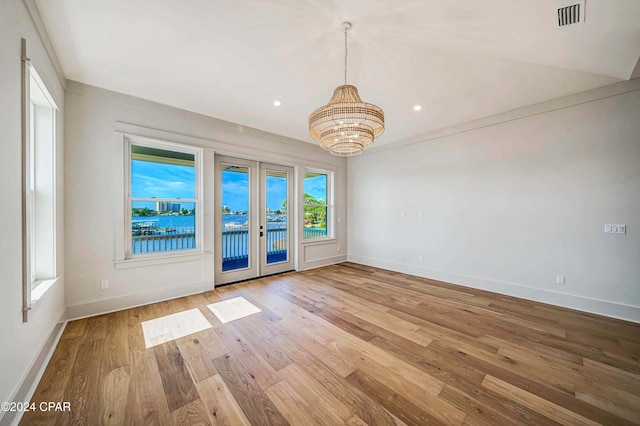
[
  {"x": 346, "y": 126},
  {"x": 345, "y": 55}
]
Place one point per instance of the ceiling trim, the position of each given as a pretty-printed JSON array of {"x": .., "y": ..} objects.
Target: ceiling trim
[
  {"x": 223, "y": 148},
  {"x": 38, "y": 24},
  {"x": 586, "y": 97}
]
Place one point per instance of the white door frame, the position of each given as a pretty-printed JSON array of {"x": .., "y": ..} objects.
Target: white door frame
[
  {"x": 256, "y": 217},
  {"x": 288, "y": 265}
]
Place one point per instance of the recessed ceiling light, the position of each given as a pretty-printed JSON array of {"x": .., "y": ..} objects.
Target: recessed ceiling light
[
  {"x": 417, "y": 107},
  {"x": 277, "y": 103}
]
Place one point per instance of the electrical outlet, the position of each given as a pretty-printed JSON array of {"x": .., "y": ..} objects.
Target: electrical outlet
[
  {"x": 615, "y": 229},
  {"x": 402, "y": 215},
  {"x": 421, "y": 258},
  {"x": 338, "y": 248},
  {"x": 104, "y": 285},
  {"x": 560, "y": 279}
]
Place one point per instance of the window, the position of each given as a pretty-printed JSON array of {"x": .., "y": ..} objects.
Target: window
[
  {"x": 40, "y": 187},
  {"x": 317, "y": 207},
  {"x": 164, "y": 201}
]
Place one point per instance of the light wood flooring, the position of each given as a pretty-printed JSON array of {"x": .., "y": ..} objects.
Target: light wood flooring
[{"x": 349, "y": 344}]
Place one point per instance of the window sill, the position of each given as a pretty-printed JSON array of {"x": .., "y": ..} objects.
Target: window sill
[
  {"x": 160, "y": 260},
  {"x": 319, "y": 241},
  {"x": 40, "y": 287}
]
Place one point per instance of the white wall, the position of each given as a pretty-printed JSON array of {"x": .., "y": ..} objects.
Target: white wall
[
  {"x": 96, "y": 121},
  {"x": 21, "y": 343},
  {"x": 512, "y": 201}
]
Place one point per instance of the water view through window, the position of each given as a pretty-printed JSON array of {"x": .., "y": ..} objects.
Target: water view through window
[
  {"x": 276, "y": 214},
  {"x": 235, "y": 217},
  {"x": 315, "y": 205},
  {"x": 163, "y": 207},
  {"x": 236, "y": 232},
  {"x": 163, "y": 200}
]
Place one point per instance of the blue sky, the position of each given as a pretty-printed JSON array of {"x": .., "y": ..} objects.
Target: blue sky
[
  {"x": 316, "y": 186},
  {"x": 162, "y": 180},
  {"x": 235, "y": 190},
  {"x": 172, "y": 181}
]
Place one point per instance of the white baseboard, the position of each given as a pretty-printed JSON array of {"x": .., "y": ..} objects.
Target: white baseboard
[
  {"x": 325, "y": 261},
  {"x": 596, "y": 306},
  {"x": 31, "y": 379},
  {"x": 104, "y": 306}
]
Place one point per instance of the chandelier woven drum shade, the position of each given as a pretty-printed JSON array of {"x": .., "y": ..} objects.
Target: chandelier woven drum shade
[{"x": 346, "y": 126}]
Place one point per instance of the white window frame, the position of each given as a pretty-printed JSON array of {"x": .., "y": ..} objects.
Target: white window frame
[
  {"x": 329, "y": 205},
  {"x": 39, "y": 182},
  {"x": 130, "y": 141}
]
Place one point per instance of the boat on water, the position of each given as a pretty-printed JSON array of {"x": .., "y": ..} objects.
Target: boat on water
[
  {"x": 144, "y": 227},
  {"x": 236, "y": 225}
]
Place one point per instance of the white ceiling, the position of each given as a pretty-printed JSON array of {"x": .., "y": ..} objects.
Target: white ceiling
[{"x": 460, "y": 59}]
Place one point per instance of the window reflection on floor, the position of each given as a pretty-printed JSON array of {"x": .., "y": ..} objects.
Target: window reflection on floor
[
  {"x": 233, "y": 309},
  {"x": 174, "y": 326}
]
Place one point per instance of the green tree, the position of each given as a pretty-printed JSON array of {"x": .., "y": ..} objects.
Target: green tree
[
  {"x": 315, "y": 216},
  {"x": 144, "y": 212}
]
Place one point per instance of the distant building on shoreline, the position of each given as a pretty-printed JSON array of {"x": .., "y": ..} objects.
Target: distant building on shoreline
[{"x": 167, "y": 206}]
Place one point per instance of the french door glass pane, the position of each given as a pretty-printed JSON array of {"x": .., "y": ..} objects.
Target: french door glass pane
[
  {"x": 235, "y": 217},
  {"x": 276, "y": 214}
]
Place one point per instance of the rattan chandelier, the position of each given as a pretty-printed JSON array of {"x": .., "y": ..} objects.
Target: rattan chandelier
[{"x": 346, "y": 126}]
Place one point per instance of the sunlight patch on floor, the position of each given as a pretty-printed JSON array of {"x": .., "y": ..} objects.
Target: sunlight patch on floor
[
  {"x": 174, "y": 326},
  {"x": 233, "y": 309}
]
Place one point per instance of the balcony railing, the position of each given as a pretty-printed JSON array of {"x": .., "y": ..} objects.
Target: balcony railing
[
  {"x": 235, "y": 249},
  {"x": 235, "y": 243},
  {"x": 314, "y": 233},
  {"x": 152, "y": 241}
]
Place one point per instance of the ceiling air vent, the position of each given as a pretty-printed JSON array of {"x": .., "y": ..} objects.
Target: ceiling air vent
[{"x": 572, "y": 14}]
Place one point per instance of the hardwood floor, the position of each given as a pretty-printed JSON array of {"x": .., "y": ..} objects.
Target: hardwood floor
[{"x": 349, "y": 345}]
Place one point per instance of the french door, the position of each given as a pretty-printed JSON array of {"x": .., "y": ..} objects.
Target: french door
[{"x": 253, "y": 222}]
